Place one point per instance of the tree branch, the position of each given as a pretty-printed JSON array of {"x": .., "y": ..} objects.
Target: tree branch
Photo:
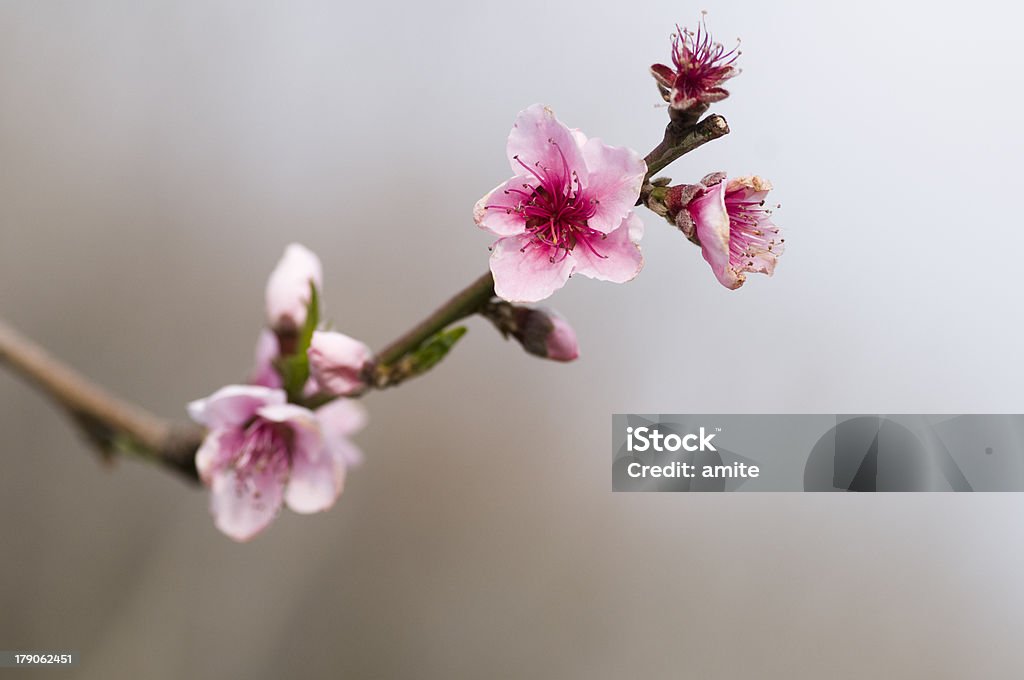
[
  {"x": 117, "y": 426},
  {"x": 111, "y": 424},
  {"x": 682, "y": 137},
  {"x": 466, "y": 302}
]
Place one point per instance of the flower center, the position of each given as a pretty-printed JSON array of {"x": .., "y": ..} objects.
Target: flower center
[
  {"x": 751, "y": 232},
  {"x": 701, "y": 64},
  {"x": 265, "y": 453},
  {"x": 557, "y": 209}
]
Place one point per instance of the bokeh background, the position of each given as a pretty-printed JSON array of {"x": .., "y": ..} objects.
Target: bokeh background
[{"x": 156, "y": 157}]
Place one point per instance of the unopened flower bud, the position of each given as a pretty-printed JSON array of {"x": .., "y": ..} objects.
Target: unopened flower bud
[
  {"x": 336, "y": 362},
  {"x": 561, "y": 341},
  {"x": 288, "y": 289},
  {"x": 541, "y": 332}
]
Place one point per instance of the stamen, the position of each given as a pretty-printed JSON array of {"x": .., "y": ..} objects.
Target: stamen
[
  {"x": 557, "y": 209},
  {"x": 528, "y": 168}
]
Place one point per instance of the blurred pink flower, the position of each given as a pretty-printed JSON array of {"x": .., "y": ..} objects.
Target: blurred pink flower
[
  {"x": 701, "y": 66},
  {"x": 262, "y": 452},
  {"x": 264, "y": 373},
  {"x": 336, "y": 362},
  {"x": 734, "y": 229},
  {"x": 288, "y": 288},
  {"x": 568, "y": 209}
]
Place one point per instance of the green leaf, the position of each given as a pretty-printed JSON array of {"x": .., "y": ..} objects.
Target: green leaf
[
  {"x": 433, "y": 350},
  {"x": 294, "y": 368},
  {"x": 312, "y": 319}
]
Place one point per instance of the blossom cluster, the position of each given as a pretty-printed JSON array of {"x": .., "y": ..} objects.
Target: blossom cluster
[
  {"x": 569, "y": 206},
  {"x": 266, "y": 448},
  {"x": 283, "y": 438}
]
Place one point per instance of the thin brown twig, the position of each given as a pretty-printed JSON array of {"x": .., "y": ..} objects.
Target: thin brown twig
[
  {"x": 110, "y": 423},
  {"x": 681, "y": 138}
]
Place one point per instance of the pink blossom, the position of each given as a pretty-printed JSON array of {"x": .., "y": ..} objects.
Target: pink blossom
[
  {"x": 262, "y": 452},
  {"x": 288, "y": 288},
  {"x": 701, "y": 66},
  {"x": 336, "y": 362},
  {"x": 734, "y": 229},
  {"x": 568, "y": 209}
]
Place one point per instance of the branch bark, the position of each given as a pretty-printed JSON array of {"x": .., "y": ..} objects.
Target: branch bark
[
  {"x": 114, "y": 425},
  {"x": 110, "y": 423},
  {"x": 681, "y": 138},
  {"x": 386, "y": 369}
]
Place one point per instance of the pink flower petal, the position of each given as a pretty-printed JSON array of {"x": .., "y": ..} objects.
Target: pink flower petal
[
  {"x": 345, "y": 453},
  {"x": 665, "y": 76},
  {"x": 530, "y": 275},
  {"x": 538, "y": 137},
  {"x": 764, "y": 262},
  {"x": 712, "y": 222},
  {"x": 267, "y": 349},
  {"x": 617, "y": 257},
  {"x": 233, "y": 405},
  {"x": 616, "y": 175},
  {"x": 496, "y": 212},
  {"x": 242, "y": 510},
  {"x": 315, "y": 483},
  {"x": 748, "y": 188},
  {"x": 216, "y": 452},
  {"x": 338, "y": 420},
  {"x": 341, "y": 417},
  {"x": 288, "y": 287},
  {"x": 308, "y": 439}
]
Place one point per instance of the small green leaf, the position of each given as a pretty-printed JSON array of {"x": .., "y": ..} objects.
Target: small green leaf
[
  {"x": 294, "y": 368},
  {"x": 312, "y": 319},
  {"x": 433, "y": 350}
]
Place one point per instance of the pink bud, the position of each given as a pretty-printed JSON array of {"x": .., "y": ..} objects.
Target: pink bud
[
  {"x": 541, "y": 332},
  {"x": 561, "y": 341},
  {"x": 288, "y": 288},
  {"x": 336, "y": 362}
]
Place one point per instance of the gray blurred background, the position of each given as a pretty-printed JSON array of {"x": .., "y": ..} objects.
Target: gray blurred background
[{"x": 156, "y": 157}]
